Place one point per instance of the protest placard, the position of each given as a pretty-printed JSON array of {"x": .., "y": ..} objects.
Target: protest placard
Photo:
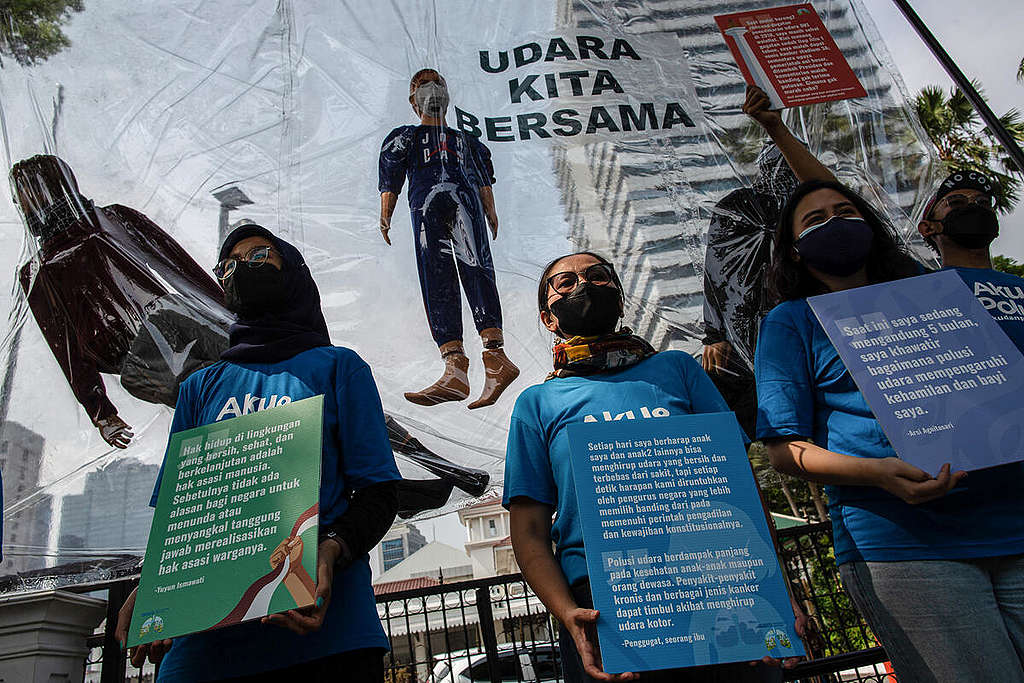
[
  {"x": 788, "y": 53},
  {"x": 939, "y": 374},
  {"x": 681, "y": 562},
  {"x": 234, "y": 534}
]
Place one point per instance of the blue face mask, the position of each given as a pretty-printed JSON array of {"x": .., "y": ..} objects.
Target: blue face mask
[{"x": 838, "y": 247}]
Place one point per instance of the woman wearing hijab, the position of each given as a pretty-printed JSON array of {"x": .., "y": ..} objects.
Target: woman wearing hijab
[
  {"x": 933, "y": 560},
  {"x": 598, "y": 369},
  {"x": 280, "y": 347}
]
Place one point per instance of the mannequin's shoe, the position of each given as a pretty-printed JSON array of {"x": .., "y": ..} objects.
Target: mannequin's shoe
[
  {"x": 452, "y": 386},
  {"x": 501, "y": 372}
]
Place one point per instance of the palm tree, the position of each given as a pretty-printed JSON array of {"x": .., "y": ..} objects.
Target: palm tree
[
  {"x": 1020, "y": 71},
  {"x": 955, "y": 128}
]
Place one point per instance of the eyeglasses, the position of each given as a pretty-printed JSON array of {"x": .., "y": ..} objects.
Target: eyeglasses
[
  {"x": 598, "y": 274},
  {"x": 959, "y": 201},
  {"x": 254, "y": 258}
]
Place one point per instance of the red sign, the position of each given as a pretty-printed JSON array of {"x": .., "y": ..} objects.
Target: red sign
[{"x": 789, "y": 53}]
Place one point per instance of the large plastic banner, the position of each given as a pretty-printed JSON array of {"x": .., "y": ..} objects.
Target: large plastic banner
[{"x": 151, "y": 128}]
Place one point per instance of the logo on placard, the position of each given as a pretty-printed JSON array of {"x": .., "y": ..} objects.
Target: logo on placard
[
  {"x": 776, "y": 637},
  {"x": 154, "y": 623}
]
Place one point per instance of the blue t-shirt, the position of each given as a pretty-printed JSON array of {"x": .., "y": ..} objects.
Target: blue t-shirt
[
  {"x": 356, "y": 454},
  {"x": 431, "y": 156},
  {"x": 537, "y": 463},
  {"x": 1002, "y": 295},
  {"x": 804, "y": 391}
]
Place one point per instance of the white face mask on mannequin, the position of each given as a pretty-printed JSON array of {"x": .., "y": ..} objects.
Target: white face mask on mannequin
[{"x": 431, "y": 98}]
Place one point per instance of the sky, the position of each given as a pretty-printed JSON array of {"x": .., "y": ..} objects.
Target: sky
[{"x": 984, "y": 42}]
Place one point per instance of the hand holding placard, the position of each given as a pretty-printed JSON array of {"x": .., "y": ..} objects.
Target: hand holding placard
[
  {"x": 678, "y": 550},
  {"x": 941, "y": 377}
]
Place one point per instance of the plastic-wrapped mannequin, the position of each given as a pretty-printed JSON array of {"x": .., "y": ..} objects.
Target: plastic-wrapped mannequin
[
  {"x": 740, "y": 240},
  {"x": 450, "y": 177},
  {"x": 113, "y": 293},
  {"x": 99, "y": 289}
]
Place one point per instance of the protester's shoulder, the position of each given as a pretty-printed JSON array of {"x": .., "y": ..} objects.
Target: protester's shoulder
[
  {"x": 793, "y": 313},
  {"x": 975, "y": 274},
  {"x": 673, "y": 357},
  {"x": 203, "y": 380},
  {"x": 530, "y": 401},
  {"x": 344, "y": 359}
]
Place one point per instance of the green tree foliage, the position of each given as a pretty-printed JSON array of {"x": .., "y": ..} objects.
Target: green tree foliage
[
  {"x": 963, "y": 142},
  {"x": 31, "y": 31},
  {"x": 1009, "y": 265}
]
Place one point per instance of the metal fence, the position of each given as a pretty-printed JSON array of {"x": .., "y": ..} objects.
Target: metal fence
[{"x": 497, "y": 630}]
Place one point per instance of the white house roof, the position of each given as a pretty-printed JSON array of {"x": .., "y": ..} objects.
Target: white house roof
[{"x": 432, "y": 559}]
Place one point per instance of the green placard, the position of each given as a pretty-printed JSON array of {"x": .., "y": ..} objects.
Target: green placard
[{"x": 234, "y": 534}]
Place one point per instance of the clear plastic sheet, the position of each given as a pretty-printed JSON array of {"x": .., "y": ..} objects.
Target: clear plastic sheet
[{"x": 197, "y": 115}]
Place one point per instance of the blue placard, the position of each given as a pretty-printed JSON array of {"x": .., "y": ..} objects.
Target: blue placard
[
  {"x": 940, "y": 375},
  {"x": 681, "y": 563}
]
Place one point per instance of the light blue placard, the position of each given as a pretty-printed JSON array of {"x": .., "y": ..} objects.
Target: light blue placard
[
  {"x": 681, "y": 563},
  {"x": 940, "y": 375}
]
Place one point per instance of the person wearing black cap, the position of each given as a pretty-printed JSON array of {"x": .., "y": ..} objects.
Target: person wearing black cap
[
  {"x": 959, "y": 223},
  {"x": 280, "y": 352}
]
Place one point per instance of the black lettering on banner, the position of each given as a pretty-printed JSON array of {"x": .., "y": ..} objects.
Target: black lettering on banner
[
  {"x": 630, "y": 118},
  {"x": 516, "y": 90},
  {"x": 600, "y": 118},
  {"x": 534, "y": 122},
  {"x": 621, "y": 47},
  {"x": 485, "y": 62},
  {"x": 499, "y": 129},
  {"x": 574, "y": 78},
  {"x": 605, "y": 81},
  {"x": 566, "y": 118},
  {"x": 586, "y": 44},
  {"x": 558, "y": 48},
  {"x": 549, "y": 80},
  {"x": 674, "y": 113},
  {"x": 467, "y": 123},
  {"x": 522, "y": 59}
]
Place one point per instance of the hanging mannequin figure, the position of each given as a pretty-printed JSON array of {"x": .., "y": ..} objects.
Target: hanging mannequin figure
[
  {"x": 450, "y": 176},
  {"x": 113, "y": 293}
]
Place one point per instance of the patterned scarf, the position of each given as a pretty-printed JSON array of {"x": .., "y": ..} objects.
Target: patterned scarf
[{"x": 581, "y": 356}]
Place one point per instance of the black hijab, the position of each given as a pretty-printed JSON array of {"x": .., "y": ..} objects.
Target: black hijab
[{"x": 273, "y": 337}]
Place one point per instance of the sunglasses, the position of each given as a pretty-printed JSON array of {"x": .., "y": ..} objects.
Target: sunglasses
[
  {"x": 254, "y": 258},
  {"x": 565, "y": 282},
  {"x": 958, "y": 201}
]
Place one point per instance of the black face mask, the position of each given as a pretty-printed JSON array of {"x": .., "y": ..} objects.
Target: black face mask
[
  {"x": 971, "y": 226},
  {"x": 253, "y": 292},
  {"x": 590, "y": 310},
  {"x": 838, "y": 247}
]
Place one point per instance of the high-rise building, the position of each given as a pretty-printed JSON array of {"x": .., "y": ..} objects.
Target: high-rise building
[
  {"x": 648, "y": 206},
  {"x": 401, "y": 541},
  {"x": 111, "y": 513},
  {"x": 26, "y": 530}
]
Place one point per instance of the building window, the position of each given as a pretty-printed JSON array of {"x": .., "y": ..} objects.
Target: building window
[
  {"x": 392, "y": 552},
  {"x": 492, "y": 529}
]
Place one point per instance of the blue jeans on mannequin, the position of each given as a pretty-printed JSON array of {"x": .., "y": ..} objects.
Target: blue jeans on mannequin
[{"x": 943, "y": 620}]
